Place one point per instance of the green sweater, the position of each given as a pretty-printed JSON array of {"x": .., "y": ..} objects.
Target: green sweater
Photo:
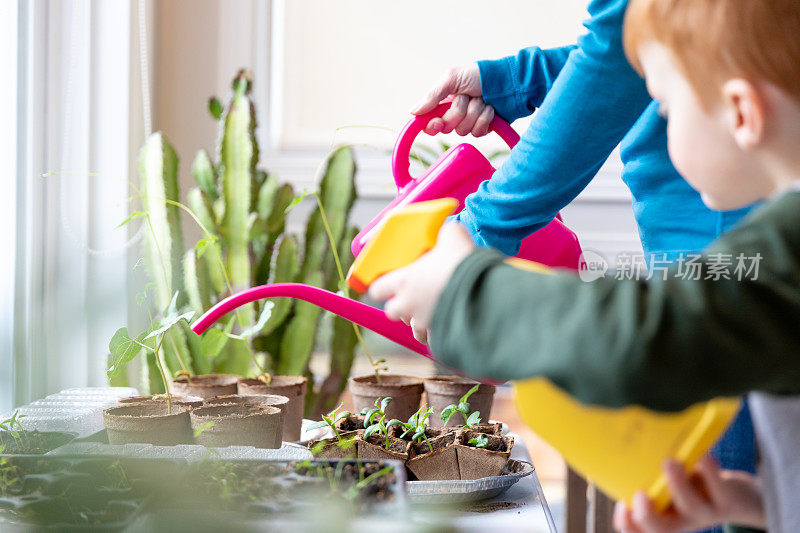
[{"x": 662, "y": 344}]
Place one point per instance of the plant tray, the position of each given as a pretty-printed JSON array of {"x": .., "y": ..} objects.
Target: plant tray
[{"x": 457, "y": 491}]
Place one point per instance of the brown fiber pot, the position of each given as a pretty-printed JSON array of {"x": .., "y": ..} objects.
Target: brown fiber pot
[
  {"x": 477, "y": 463},
  {"x": 237, "y": 425},
  {"x": 152, "y": 423},
  {"x": 206, "y": 385},
  {"x": 351, "y": 423},
  {"x": 374, "y": 448},
  {"x": 188, "y": 401},
  {"x": 447, "y": 390},
  {"x": 405, "y": 391},
  {"x": 437, "y": 465},
  {"x": 293, "y": 387},
  {"x": 270, "y": 400},
  {"x": 332, "y": 450}
]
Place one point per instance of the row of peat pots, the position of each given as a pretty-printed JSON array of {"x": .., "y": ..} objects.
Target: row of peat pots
[
  {"x": 449, "y": 438},
  {"x": 213, "y": 410}
]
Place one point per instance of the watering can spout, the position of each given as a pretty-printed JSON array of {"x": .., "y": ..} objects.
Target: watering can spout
[{"x": 362, "y": 314}]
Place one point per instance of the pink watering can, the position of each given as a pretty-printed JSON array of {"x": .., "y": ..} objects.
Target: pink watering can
[{"x": 455, "y": 175}]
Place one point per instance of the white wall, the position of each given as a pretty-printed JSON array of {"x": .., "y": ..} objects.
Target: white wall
[{"x": 321, "y": 65}]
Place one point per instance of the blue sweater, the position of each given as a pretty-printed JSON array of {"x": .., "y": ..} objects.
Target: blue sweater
[{"x": 589, "y": 100}]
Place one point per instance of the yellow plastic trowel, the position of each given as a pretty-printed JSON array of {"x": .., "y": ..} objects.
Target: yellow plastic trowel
[{"x": 620, "y": 450}]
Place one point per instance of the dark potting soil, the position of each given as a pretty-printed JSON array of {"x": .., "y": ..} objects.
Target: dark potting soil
[
  {"x": 495, "y": 444},
  {"x": 395, "y": 444},
  {"x": 350, "y": 423},
  {"x": 447, "y": 439},
  {"x": 33, "y": 442},
  {"x": 430, "y": 432}
]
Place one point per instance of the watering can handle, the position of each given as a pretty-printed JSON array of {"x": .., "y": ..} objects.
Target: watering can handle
[{"x": 402, "y": 149}]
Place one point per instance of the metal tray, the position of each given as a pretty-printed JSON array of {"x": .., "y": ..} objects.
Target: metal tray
[{"x": 456, "y": 491}]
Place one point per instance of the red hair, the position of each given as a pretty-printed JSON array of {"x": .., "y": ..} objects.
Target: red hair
[{"x": 716, "y": 40}]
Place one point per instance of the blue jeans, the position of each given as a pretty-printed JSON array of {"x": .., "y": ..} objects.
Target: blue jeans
[{"x": 736, "y": 450}]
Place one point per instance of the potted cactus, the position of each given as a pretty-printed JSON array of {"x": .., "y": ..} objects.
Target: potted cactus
[{"x": 241, "y": 211}]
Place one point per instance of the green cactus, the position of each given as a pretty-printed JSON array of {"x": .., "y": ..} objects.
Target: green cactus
[
  {"x": 204, "y": 174},
  {"x": 343, "y": 346},
  {"x": 243, "y": 213},
  {"x": 158, "y": 175},
  {"x": 297, "y": 342},
  {"x": 237, "y": 153}
]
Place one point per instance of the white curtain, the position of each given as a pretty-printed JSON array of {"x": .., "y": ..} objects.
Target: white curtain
[{"x": 73, "y": 162}]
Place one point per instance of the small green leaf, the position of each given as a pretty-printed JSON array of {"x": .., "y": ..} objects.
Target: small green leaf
[
  {"x": 168, "y": 322},
  {"x": 203, "y": 427},
  {"x": 385, "y": 403},
  {"x": 212, "y": 342},
  {"x": 473, "y": 419},
  {"x": 370, "y": 415},
  {"x": 202, "y": 245},
  {"x": 481, "y": 441},
  {"x": 135, "y": 214},
  {"x": 297, "y": 199},
  {"x": 122, "y": 350},
  {"x": 317, "y": 425},
  {"x": 215, "y": 107},
  {"x": 447, "y": 412},
  {"x": 371, "y": 431},
  {"x": 343, "y": 414},
  {"x": 463, "y": 407},
  {"x": 393, "y": 422}
]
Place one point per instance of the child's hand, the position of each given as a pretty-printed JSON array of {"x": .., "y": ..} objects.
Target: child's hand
[
  {"x": 468, "y": 113},
  {"x": 710, "y": 497},
  {"x": 414, "y": 290}
]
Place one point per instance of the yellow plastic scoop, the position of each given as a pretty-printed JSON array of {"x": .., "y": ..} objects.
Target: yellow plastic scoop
[{"x": 622, "y": 451}]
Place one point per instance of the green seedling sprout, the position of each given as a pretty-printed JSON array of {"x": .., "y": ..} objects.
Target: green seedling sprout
[
  {"x": 375, "y": 420},
  {"x": 123, "y": 348},
  {"x": 330, "y": 420},
  {"x": 471, "y": 418},
  {"x": 417, "y": 425},
  {"x": 13, "y": 425},
  {"x": 203, "y": 427},
  {"x": 481, "y": 441}
]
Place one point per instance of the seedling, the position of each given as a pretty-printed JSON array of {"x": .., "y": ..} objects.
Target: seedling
[
  {"x": 353, "y": 491},
  {"x": 203, "y": 427},
  {"x": 9, "y": 474},
  {"x": 481, "y": 441},
  {"x": 13, "y": 425},
  {"x": 124, "y": 348},
  {"x": 375, "y": 420},
  {"x": 330, "y": 420},
  {"x": 416, "y": 426},
  {"x": 471, "y": 418}
]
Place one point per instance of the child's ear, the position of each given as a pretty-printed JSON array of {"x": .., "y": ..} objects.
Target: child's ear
[{"x": 745, "y": 112}]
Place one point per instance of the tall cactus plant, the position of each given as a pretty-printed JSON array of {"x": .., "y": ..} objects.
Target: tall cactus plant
[{"x": 242, "y": 211}]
